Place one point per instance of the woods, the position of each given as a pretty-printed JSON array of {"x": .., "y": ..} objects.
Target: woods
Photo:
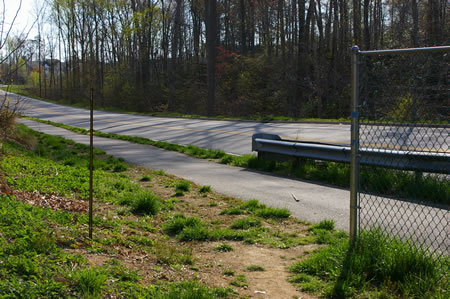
[{"x": 225, "y": 57}]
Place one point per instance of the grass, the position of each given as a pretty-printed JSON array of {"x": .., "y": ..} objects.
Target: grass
[
  {"x": 255, "y": 268},
  {"x": 377, "y": 264},
  {"x": 183, "y": 186},
  {"x": 173, "y": 254},
  {"x": 89, "y": 282},
  {"x": 205, "y": 189},
  {"x": 145, "y": 203},
  {"x": 258, "y": 209},
  {"x": 228, "y": 272},
  {"x": 273, "y": 213},
  {"x": 34, "y": 262},
  {"x": 246, "y": 223},
  {"x": 224, "y": 248},
  {"x": 386, "y": 182},
  {"x": 146, "y": 178},
  {"x": 240, "y": 281}
]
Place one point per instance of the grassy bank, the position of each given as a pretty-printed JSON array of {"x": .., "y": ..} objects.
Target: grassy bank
[
  {"x": 381, "y": 181},
  {"x": 159, "y": 236},
  {"x": 377, "y": 266}
]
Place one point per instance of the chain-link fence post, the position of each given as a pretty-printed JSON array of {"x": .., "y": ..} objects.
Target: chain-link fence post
[{"x": 354, "y": 166}]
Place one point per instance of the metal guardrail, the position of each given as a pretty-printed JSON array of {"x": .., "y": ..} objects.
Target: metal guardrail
[{"x": 276, "y": 148}]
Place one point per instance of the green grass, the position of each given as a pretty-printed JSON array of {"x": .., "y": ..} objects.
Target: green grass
[
  {"x": 248, "y": 230},
  {"x": 377, "y": 264},
  {"x": 146, "y": 178},
  {"x": 224, "y": 248},
  {"x": 186, "y": 228},
  {"x": 255, "y": 268},
  {"x": 377, "y": 180},
  {"x": 246, "y": 223},
  {"x": 33, "y": 262},
  {"x": 240, "y": 281},
  {"x": 89, "y": 282},
  {"x": 145, "y": 203},
  {"x": 205, "y": 189},
  {"x": 273, "y": 213},
  {"x": 258, "y": 209},
  {"x": 232, "y": 211},
  {"x": 228, "y": 272},
  {"x": 173, "y": 254}
]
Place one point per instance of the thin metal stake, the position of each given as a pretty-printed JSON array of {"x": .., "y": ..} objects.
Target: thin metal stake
[
  {"x": 354, "y": 164},
  {"x": 91, "y": 164}
]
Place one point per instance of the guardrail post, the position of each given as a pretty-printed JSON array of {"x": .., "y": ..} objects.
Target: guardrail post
[{"x": 354, "y": 166}]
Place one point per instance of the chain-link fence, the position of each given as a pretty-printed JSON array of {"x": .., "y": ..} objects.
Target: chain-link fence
[{"x": 401, "y": 116}]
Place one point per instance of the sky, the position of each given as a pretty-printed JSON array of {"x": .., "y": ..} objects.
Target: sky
[{"x": 24, "y": 18}]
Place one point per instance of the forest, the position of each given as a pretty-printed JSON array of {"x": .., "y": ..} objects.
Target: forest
[{"x": 214, "y": 57}]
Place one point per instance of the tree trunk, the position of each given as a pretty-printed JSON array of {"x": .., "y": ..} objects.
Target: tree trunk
[{"x": 211, "y": 35}]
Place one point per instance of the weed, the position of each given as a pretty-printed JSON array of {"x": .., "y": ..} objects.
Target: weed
[
  {"x": 246, "y": 223},
  {"x": 254, "y": 268},
  {"x": 205, "y": 189},
  {"x": 213, "y": 204},
  {"x": 224, "y": 248}
]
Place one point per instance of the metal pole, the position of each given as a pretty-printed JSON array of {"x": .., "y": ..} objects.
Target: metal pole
[
  {"x": 354, "y": 166},
  {"x": 91, "y": 164}
]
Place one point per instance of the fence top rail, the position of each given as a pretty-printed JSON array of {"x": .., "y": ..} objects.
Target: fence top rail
[{"x": 405, "y": 51}]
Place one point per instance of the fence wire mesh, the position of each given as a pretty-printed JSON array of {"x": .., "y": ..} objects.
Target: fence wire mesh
[{"x": 404, "y": 108}]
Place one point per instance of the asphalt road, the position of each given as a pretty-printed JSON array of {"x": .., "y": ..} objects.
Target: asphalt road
[
  {"x": 231, "y": 136},
  {"x": 235, "y": 136}
]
